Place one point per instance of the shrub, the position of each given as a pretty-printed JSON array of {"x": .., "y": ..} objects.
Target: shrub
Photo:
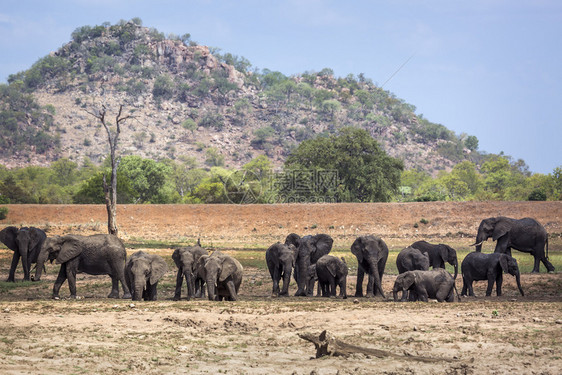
[{"x": 3, "y": 212}]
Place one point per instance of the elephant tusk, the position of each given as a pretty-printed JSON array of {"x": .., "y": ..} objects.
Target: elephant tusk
[{"x": 477, "y": 244}]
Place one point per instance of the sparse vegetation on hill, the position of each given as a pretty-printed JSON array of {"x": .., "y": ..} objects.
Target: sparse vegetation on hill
[{"x": 203, "y": 114}]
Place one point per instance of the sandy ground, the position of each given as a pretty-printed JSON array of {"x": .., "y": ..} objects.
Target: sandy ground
[{"x": 259, "y": 334}]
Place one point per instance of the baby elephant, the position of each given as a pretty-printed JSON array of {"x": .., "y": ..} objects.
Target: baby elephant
[
  {"x": 185, "y": 259},
  {"x": 437, "y": 284},
  {"x": 332, "y": 272},
  {"x": 142, "y": 272},
  {"x": 480, "y": 266},
  {"x": 223, "y": 275},
  {"x": 411, "y": 259},
  {"x": 280, "y": 259}
]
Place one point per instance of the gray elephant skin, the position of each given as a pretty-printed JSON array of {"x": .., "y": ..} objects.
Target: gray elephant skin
[
  {"x": 26, "y": 244},
  {"x": 309, "y": 250},
  {"x": 478, "y": 266},
  {"x": 185, "y": 259},
  {"x": 436, "y": 284},
  {"x": 410, "y": 259},
  {"x": 99, "y": 254},
  {"x": 438, "y": 254},
  {"x": 371, "y": 253},
  {"x": 223, "y": 275},
  {"x": 142, "y": 273},
  {"x": 280, "y": 259},
  {"x": 332, "y": 272},
  {"x": 526, "y": 235}
]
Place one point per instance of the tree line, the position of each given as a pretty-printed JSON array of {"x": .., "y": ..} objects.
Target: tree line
[{"x": 348, "y": 166}]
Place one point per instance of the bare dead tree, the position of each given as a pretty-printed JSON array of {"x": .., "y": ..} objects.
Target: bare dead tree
[{"x": 112, "y": 138}]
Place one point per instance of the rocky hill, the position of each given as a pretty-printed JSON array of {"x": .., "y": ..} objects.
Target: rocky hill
[{"x": 188, "y": 100}]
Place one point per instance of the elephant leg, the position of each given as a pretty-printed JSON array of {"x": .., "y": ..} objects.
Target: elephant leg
[
  {"x": 333, "y": 287},
  {"x": 464, "y": 286},
  {"x": 499, "y": 280},
  {"x": 71, "y": 276},
  {"x": 276, "y": 278},
  {"x": 13, "y": 266},
  {"x": 359, "y": 284},
  {"x": 61, "y": 278},
  {"x": 152, "y": 292},
  {"x": 114, "y": 287},
  {"x": 25, "y": 265},
  {"x": 491, "y": 281},
  {"x": 421, "y": 294},
  {"x": 381, "y": 265},
  {"x": 179, "y": 282},
  {"x": 232, "y": 290}
]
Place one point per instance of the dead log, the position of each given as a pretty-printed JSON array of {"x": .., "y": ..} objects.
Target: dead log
[{"x": 327, "y": 344}]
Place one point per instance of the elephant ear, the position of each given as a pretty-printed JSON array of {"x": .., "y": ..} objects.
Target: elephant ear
[
  {"x": 8, "y": 237},
  {"x": 443, "y": 252},
  {"x": 357, "y": 248},
  {"x": 332, "y": 268},
  {"x": 228, "y": 268},
  {"x": 199, "y": 266},
  {"x": 503, "y": 263},
  {"x": 37, "y": 238},
  {"x": 322, "y": 246},
  {"x": 409, "y": 279},
  {"x": 501, "y": 229},
  {"x": 69, "y": 249},
  {"x": 158, "y": 269}
]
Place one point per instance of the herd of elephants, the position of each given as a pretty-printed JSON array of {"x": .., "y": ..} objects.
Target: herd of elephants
[{"x": 306, "y": 257}]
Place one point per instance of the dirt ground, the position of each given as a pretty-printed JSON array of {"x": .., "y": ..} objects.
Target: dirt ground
[{"x": 259, "y": 334}]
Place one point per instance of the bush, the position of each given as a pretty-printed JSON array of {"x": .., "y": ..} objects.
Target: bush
[
  {"x": 537, "y": 195},
  {"x": 163, "y": 87},
  {"x": 3, "y": 212}
]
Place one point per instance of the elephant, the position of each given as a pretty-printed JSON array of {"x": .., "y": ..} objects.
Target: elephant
[
  {"x": 437, "y": 284},
  {"x": 331, "y": 272},
  {"x": 411, "y": 259},
  {"x": 309, "y": 250},
  {"x": 479, "y": 266},
  {"x": 223, "y": 275},
  {"x": 185, "y": 259},
  {"x": 99, "y": 254},
  {"x": 280, "y": 259},
  {"x": 371, "y": 253},
  {"x": 25, "y": 243},
  {"x": 142, "y": 273},
  {"x": 438, "y": 255},
  {"x": 526, "y": 235}
]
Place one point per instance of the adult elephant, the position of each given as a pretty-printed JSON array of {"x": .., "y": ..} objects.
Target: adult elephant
[
  {"x": 99, "y": 254},
  {"x": 223, "y": 275},
  {"x": 185, "y": 259},
  {"x": 280, "y": 259},
  {"x": 438, "y": 254},
  {"x": 332, "y": 272},
  {"x": 411, "y": 259},
  {"x": 371, "y": 253},
  {"x": 309, "y": 250},
  {"x": 26, "y": 244},
  {"x": 437, "y": 284},
  {"x": 142, "y": 273},
  {"x": 479, "y": 266},
  {"x": 526, "y": 235}
]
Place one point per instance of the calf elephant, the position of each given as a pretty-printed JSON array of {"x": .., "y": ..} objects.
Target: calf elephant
[
  {"x": 185, "y": 259},
  {"x": 26, "y": 244},
  {"x": 479, "y": 266},
  {"x": 410, "y": 259},
  {"x": 100, "y": 254},
  {"x": 437, "y": 284},
  {"x": 526, "y": 235},
  {"x": 309, "y": 250},
  {"x": 332, "y": 272},
  {"x": 223, "y": 275},
  {"x": 371, "y": 253},
  {"x": 438, "y": 255},
  {"x": 280, "y": 259},
  {"x": 142, "y": 273}
]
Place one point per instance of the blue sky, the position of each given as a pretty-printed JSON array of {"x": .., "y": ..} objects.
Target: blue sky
[{"x": 489, "y": 68}]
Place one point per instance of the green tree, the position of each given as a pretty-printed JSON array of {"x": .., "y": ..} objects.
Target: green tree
[
  {"x": 471, "y": 142},
  {"x": 64, "y": 172},
  {"x": 147, "y": 178},
  {"x": 365, "y": 173}
]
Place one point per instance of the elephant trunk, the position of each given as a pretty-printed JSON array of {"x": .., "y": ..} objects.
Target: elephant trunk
[
  {"x": 518, "y": 280},
  {"x": 456, "y": 266},
  {"x": 377, "y": 287},
  {"x": 190, "y": 284},
  {"x": 480, "y": 238},
  {"x": 211, "y": 288},
  {"x": 302, "y": 265},
  {"x": 395, "y": 293},
  {"x": 138, "y": 288},
  {"x": 41, "y": 259}
]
